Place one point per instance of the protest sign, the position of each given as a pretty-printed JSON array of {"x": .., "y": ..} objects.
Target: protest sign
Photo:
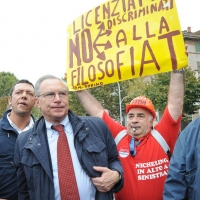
[{"x": 124, "y": 39}]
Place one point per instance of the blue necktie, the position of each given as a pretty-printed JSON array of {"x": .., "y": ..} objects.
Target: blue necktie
[{"x": 132, "y": 147}]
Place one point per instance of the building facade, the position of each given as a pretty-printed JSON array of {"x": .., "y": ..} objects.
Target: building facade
[{"x": 192, "y": 40}]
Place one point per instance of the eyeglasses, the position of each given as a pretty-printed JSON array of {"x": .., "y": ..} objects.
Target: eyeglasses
[{"x": 51, "y": 95}]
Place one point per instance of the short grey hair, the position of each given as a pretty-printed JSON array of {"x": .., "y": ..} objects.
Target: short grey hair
[{"x": 41, "y": 79}]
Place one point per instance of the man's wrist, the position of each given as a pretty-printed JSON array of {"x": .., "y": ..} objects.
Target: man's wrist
[
  {"x": 120, "y": 176},
  {"x": 179, "y": 71}
]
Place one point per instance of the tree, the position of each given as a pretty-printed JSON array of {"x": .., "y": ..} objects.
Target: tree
[
  {"x": 75, "y": 105},
  {"x": 157, "y": 91},
  {"x": 3, "y": 105},
  {"x": 137, "y": 87},
  {"x": 108, "y": 96},
  {"x": 7, "y": 80},
  {"x": 192, "y": 93}
]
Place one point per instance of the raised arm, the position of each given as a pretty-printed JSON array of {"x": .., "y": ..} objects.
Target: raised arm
[
  {"x": 175, "y": 97},
  {"x": 176, "y": 93},
  {"x": 90, "y": 104}
]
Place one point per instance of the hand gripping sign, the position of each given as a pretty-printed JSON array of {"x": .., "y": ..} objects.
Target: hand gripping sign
[{"x": 124, "y": 39}]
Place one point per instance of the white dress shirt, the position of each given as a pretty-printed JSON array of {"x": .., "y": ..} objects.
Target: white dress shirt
[
  {"x": 30, "y": 125},
  {"x": 85, "y": 186}
]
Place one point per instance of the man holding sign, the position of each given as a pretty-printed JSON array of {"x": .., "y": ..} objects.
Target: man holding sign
[
  {"x": 122, "y": 39},
  {"x": 144, "y": 161}
]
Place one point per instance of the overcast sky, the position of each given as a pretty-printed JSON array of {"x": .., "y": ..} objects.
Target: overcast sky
[{"x": 33, "y": 33}]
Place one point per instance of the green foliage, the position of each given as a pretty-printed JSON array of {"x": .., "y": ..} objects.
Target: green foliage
[
  {"x": 107, "y": 95},
  {"x": 36, "y": 112},
  {"x": 137, "y": 87},
  {"x": 7, "y": 80},
  {"x": 3, "y": 105},
  {"x": 192, "y": 93},
  {"x": 75, "y": 105},
  {"x": 157, "y": 91}
]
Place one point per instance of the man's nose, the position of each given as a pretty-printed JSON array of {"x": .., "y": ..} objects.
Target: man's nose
[
  {"x": 24, "y": 94},
  {"x": 57, "y": 97},
  {"x": 135, "y": 119}
]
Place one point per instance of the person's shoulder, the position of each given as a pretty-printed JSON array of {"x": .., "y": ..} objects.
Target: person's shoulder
[
  {"x": 4, "y": 123},
  {"x": 193, "y": 125},
  {"x": 93, "y": 121},
  {"x": 4, "y": 117},
  {"x": 91, "y": 118},
  {"x": 191, "y": 132}
]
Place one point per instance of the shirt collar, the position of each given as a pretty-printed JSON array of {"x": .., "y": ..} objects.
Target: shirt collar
[
  {"x": 30, "y": 125},
  {"x": 64, "y": 123}
]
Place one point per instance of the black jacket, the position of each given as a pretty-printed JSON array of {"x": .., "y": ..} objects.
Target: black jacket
[
  {"x": 94, "y": 146},
  {"x": 8, "y": 178}
]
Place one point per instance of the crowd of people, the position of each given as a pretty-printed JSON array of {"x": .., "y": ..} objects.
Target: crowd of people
[{"x": 64, "y": 156}]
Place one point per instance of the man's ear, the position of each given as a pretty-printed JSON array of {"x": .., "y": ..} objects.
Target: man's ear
[
  {"x": 152, "y": 119},
  {"x": 9, "y": 100},
  {"x": 37, "y": 103}
]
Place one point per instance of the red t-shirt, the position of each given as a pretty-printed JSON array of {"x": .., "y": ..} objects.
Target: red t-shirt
[{"x": 145, "y": 173}]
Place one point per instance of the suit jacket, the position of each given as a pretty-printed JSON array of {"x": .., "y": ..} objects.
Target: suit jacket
[{"x": 94, "y": 146}]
